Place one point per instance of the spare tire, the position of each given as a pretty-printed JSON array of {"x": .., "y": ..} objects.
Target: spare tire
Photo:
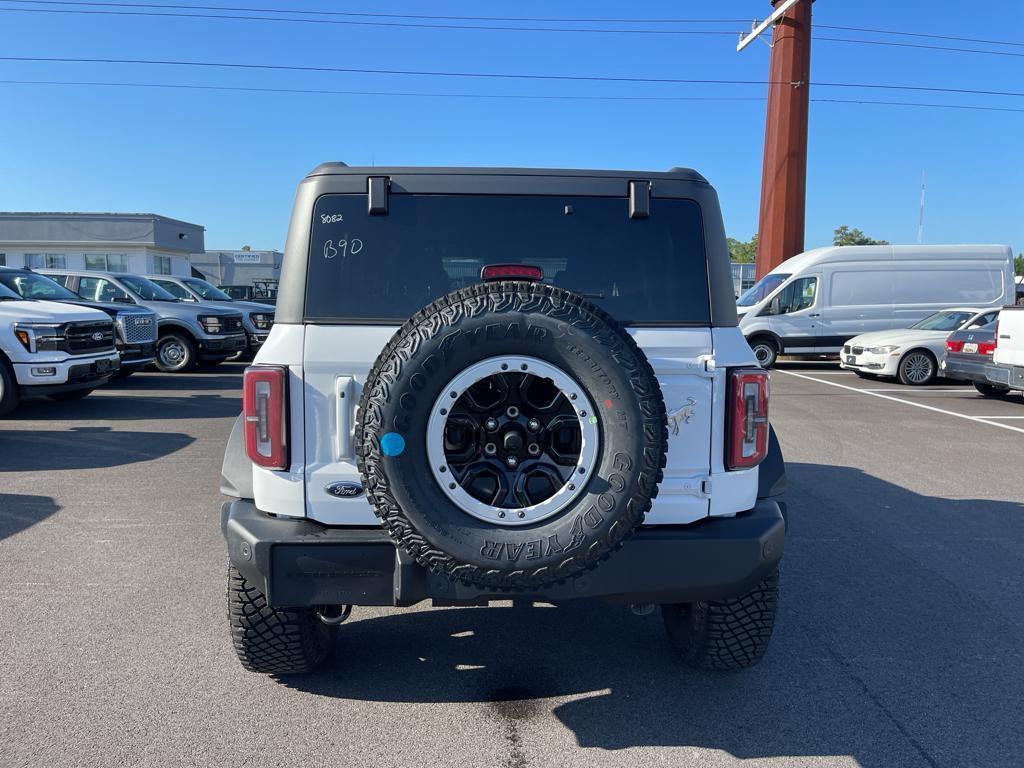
[{"x": 511, "y": 435}]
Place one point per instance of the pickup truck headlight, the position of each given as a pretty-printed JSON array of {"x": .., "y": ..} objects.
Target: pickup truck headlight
[
  {"x": 882, "y": 350},
  {"x": 262, "y": 320},
  {"x": 212, "y": 323},
  {"x": 40, "y": 337}
]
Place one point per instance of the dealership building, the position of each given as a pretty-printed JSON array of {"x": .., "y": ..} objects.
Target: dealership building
[
  {"x": 142, "y": 243},
  {"x": 244, "y": 267}
]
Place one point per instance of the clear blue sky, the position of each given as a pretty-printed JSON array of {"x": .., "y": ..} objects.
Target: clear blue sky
[{"x": 231, "y": 160}]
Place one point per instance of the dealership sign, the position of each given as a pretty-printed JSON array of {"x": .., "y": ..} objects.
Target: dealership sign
[{"x": 246, "y": 258}]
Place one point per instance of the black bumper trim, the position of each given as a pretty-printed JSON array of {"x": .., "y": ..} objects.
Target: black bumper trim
[
  {"x": 224, "y": 346},
  {"x": 297, "y": 562}
]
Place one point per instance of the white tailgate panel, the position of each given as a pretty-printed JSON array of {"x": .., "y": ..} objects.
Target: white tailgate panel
[
  {"x": 337, "y": 360},
  {"x": 677, "y": 357}
]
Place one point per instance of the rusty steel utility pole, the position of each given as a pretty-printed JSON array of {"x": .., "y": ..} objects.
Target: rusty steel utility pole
[{"x": 780, "y": 231}]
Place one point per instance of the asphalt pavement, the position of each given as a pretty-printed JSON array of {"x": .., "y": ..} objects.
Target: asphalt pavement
[{"x": 898, "y": 643}]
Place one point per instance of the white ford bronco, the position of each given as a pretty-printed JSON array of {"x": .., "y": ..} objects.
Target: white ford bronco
[{"x": 496, "y": 384}]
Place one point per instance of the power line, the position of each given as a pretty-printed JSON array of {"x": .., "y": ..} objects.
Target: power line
[
  {"x": 919, "y": 34},
  {"x": 498, "y": 96},
  {"x": 379, "y": 15},
  {"x": 351, "y": 22},
  {"x": 916, "y": 45},
  {"x": 492, "y": 75}
]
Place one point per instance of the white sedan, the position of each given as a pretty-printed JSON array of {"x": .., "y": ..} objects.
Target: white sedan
[{"x": 911, "y": 354}]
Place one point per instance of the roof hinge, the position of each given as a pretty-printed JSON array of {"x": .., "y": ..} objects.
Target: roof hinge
[
  {"x": 377, "y": 194},
  {"x": 639, "y": 199}
]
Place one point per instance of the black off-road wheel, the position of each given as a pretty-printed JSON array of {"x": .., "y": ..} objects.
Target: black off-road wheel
[
  {"x": 511, "y": 435},
  {"x": 273, "y": 640},
  {"x": 724, "y": 634}
]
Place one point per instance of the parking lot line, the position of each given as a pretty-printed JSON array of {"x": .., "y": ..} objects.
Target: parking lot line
[
  {"x": 977, "y": 419},
  {"x": 920, "y": 391},
  {"x": 1001, "y": 417}
]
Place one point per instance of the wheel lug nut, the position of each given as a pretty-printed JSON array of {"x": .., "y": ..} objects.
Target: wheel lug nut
[
  {"x": 490, "y": 449},
  {"x": 533, "y": 449},
  {"x": 491, "y": 424},
  {"x": 533, "y": 425},
  {"x": 512, "y": 412},
  {"x": 512, "y": 461}
]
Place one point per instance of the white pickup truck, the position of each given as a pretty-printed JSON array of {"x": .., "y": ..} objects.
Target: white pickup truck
[
  {"x": 58, "y": 350},
  {"x": 1007, "y": 368}
]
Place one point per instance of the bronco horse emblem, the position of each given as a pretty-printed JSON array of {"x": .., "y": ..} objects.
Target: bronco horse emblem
[{"x": 681, "y": 415}]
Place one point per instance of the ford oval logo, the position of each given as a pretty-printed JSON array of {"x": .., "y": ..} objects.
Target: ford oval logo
[
  {"x": 97, "y": 336},
  {"x": 345, "y": 489}
]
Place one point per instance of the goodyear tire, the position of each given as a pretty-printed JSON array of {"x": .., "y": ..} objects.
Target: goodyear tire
[{"x": 511, "y": 435}]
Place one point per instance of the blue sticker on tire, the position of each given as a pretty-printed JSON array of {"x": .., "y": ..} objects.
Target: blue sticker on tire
[{"x": 392, "y": 444}]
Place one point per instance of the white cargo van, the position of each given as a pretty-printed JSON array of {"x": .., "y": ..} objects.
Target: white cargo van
[
  {"x": 1007, "y": 368},
  {"x": 812, "y": 303}
]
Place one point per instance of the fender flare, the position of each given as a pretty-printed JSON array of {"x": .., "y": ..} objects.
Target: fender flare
[
  {"x": 236, "y": 469},
  {"x": 771, "y": 473}
]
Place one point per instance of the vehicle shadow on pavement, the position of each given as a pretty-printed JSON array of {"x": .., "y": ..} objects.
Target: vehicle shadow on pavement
[
  {"x": 36, "y": 450},
  {"x": 221, "y": 379},
  {"x": 898, "y": 637},
  {"x": 20, "y": 511},
  {"x": 101, "y": 406}
]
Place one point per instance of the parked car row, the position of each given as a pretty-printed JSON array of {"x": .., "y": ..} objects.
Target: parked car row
[{"x": 64, "y": 333}]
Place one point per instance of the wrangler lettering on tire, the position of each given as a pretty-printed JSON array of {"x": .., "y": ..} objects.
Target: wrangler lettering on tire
[{"x": 533, "y": 435}]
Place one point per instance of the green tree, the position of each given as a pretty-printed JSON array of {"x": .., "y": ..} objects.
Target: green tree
[
  {"x": 845, "y": 236},
  {"x": 1018, "y": 264},
  {"x": 742, "y": 252}
]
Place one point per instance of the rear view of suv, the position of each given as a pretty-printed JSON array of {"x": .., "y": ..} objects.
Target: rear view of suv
[
  {"x": 187, "y": 334},
  {"x": 49, "y": 349},
  {"x": 495, "y": 384},
  {"x": 257, "y": 318}
]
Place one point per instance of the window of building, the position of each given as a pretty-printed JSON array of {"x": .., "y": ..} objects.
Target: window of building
[
  {"x": 162, "y": 265},
  {"x": 45, "y": 261},
  {"x": 3, "y": 259},
  {"x": 107, "y": 262}
]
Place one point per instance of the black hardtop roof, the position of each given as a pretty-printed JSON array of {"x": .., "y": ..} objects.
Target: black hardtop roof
[{"x": 341, "y": 169}]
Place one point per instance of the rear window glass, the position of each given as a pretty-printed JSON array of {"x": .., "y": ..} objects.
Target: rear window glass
[{"x": 382, "y": 269}]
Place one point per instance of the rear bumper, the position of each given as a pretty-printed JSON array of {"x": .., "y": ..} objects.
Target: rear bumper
[
  {"x": 963, "y": 370},
  {"x": 1011, "y": 376},
  {"x": 298, "y": 563}
]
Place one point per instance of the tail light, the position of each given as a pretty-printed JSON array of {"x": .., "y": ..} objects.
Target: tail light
[
  {"x": 954, "y": 346},
  {"x": 748, "y": 418},
  {"x": 987, "y": 347},
  {"x": 265, "y": 414}
]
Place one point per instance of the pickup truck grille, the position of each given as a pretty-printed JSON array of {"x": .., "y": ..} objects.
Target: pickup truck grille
[
  {"x": 232, "y": 325},
  {"x": 87, "y": 337},
  {"x": 137, "y": 327}
]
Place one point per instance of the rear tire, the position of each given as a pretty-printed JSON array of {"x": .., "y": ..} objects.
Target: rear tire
[
  {"x": 175, "y": 353},
  {"x": 917, "y": 368},
  {"x": 274, "y": 641},
  {"x": 991, "y": 390},
  {"x": 9, "y": 396},
  {"x": 74, "y": 394},
  {"x": 765, "y": 350},
  {"x": 724, "y": 634}
]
